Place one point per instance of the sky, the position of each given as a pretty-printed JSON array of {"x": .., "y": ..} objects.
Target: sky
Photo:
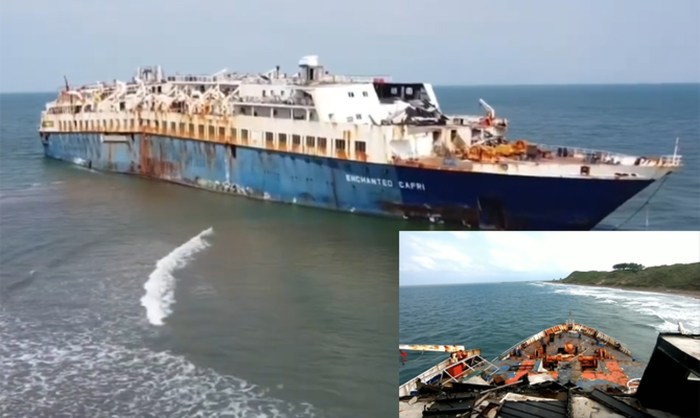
[
  {"x": 451, "y": 42},
  {"x": 480, "y": 257}
]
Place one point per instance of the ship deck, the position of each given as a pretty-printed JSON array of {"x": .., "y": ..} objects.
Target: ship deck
[
  {"x": 542, "y": 368},
  {"x": 571, "y": 357}
]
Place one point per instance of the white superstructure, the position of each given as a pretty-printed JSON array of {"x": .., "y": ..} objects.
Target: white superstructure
[{"x": 314, "y": 112}]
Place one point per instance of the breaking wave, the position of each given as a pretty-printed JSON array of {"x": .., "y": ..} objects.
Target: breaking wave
[
  {"x": 667, "y": 310},
  {"x": 160, "y": 287},
  {"x": 49, "y": 373}
]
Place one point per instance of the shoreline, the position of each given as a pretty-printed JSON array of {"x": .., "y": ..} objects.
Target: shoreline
[{"x": 695, "y": 294}]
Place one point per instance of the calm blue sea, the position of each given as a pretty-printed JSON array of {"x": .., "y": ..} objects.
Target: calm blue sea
[{"x": 495, "y": 316}]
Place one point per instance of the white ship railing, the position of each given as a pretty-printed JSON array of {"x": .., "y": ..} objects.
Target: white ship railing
[
  {"x": 437, "y": 370},
  {"x": 608, "y": 157}
]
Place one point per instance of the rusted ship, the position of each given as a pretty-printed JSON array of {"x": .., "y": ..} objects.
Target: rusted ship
[
  {"x": 568, "y": 370},
  {"x": 355, "y": 144}
]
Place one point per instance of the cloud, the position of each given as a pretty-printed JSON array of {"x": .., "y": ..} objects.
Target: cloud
[
  {"x": 451, "y": 257},
  {"x": 426, "y": 251}
]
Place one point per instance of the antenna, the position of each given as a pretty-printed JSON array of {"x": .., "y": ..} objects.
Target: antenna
[{"x": 675, "y": 151}]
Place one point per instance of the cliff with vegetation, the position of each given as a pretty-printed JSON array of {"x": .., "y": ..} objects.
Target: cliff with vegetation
[{"x": 635, "y": 276}]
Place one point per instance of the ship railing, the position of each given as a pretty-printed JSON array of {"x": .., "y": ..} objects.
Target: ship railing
[
  {"x": 356, "y": 78},
  {"x": 524, "y": 342},
  {"x": 592, "y": 156},
  {"x": 274, "y": 100},
  {"x": 578, "y": 152},
  {"x": 594, "y": 333},
  {"x": 671, "y": 160},
  {"x": 440, "y": 369},
  {"x": 187, "y": 78}
]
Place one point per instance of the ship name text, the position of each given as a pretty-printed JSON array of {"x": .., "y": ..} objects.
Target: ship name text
[{"x": 409, "y": 185}]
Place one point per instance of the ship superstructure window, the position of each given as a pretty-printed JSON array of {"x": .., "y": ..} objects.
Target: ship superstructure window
[
  {"x": 191, "y": 129},
  {"x": 200, "y": 130},
  {"x": 172, "y": 126},
  {"x": 212, "y": 131},
  {"x": 310, "y": 142},
  {"x": 364, "y": 93},
  {"x": 321, "y": 144},
  {"x": 244, "y": 135},
  {"x": 233, "y": 134},
  {"x": 182, "y": 128},
  {"x": 282, "y": 140},
  {"x": 222, "y": 132},
  {"x": 340, "y": 148},
  {"x": 361, "y": 150},
  {"x": 296, "y": 141},
  {"x": 351, "y": 94},
  {"x": 299, "y": 114},
  {"x": 269, "y": 139},
  {"x": 358, "y": 116}
]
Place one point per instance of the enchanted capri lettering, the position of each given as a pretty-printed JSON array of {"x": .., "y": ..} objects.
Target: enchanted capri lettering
[{"x": 410, "y": 185}]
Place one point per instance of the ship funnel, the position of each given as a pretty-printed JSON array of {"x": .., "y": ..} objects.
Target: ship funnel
[
  {"x": 309, "y": 61},
  {"x": 310, "y": 68}
]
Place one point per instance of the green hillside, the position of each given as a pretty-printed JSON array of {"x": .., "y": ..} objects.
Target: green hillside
[{"x": 676, "y": 276}]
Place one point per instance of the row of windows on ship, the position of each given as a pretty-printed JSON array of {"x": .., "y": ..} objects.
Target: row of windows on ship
[
  {"x": 281, "y": 141},
  {"x": 258, "y": 111}
]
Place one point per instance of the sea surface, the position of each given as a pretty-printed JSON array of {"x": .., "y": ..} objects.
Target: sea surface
[
  {"x": 495, "y": 316},
  {"x": 121, "y": 296},
  {"x": 124, "y": 297}
]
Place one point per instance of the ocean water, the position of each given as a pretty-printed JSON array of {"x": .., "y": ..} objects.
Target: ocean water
[
  {"x": 495, "y": 316},
  {"x": 124, "y": 297}
]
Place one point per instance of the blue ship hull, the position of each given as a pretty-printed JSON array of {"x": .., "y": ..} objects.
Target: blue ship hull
[{"x": 476, "y": 200}]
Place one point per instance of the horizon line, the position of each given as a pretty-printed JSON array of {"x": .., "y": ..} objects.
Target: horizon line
[{"x": 471, "y": 283}]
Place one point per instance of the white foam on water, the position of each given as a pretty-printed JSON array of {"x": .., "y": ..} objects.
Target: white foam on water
[
  {"x": 665, "y": 310},
  {"x": 48, "y": 373},
  {"x": 160, "y": 287}
]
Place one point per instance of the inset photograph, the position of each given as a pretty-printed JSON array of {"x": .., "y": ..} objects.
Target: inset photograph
[{"x": 549, "y": 324}]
